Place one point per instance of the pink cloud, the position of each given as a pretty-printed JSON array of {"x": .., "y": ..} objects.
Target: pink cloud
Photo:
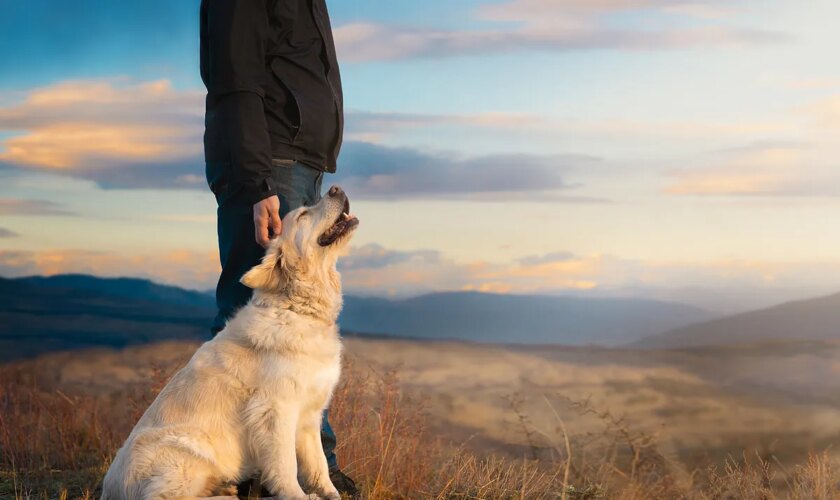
[
  {"x": 558, "y": 25},
  {"x": 85, "y": 124}
]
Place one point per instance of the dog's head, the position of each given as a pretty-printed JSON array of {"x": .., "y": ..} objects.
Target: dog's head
[{"x": 302, "y": 259}]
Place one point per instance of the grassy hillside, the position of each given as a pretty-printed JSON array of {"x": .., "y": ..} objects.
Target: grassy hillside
[{"x": 447, "y": 420}]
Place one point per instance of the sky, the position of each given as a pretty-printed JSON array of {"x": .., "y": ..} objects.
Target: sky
[{"x": 677, "y": 149}]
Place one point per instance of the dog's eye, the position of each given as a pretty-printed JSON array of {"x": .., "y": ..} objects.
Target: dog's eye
[{"x": 302, "y": 214}]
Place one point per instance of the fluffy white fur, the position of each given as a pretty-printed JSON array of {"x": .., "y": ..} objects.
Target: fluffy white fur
[{"x": 251, "y": 399}]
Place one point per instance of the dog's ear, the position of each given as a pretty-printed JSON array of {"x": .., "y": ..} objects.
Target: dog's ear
[{"x": 270, "y": 274}]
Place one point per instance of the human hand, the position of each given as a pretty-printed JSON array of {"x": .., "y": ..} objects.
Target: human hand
[{"x": 267, "y": 217}]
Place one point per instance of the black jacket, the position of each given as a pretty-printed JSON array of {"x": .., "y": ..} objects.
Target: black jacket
[{"x": 273, "y": 89}]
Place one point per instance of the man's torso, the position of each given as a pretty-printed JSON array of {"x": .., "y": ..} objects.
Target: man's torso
[{"x": 302, "y": 84}]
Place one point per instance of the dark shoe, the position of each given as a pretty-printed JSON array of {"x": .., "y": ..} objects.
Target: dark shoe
[
  {"x": 344, "y": 484},
  {"x": 251, "y": 488}
]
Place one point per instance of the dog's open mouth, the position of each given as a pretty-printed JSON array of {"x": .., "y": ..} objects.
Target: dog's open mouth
[{"x": 342, "y": 225}]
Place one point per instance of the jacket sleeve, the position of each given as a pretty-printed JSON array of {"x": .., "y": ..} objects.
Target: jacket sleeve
[{"x": 235, "y": 31}]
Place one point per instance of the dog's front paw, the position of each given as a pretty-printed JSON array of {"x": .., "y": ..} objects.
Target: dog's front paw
[{"x": 328, "y": 493}]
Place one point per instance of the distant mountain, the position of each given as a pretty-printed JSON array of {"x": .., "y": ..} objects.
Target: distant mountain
[
  {"x": 42, "y": 314},
  {"x": 133, "y": 288},
  {"x": 69, "y": 312},
  {"x": 724, "y": 301},
  {"x": 521, "y": 319},
  {"x": 812, "y": 319}
]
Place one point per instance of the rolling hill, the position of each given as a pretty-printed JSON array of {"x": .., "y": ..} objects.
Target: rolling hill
[
  {"x": 39, "y": 315},
  {"x": 517, "y": 319},
  {"x": 42, "y": 314},
  {"x": 811, "y": 319}
]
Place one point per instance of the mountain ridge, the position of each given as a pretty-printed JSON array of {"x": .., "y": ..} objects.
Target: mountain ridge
[
  {"x": 41, "y": 314},
  {"x": 807, "y": 319},
  {"x": 569, "y": 320}
]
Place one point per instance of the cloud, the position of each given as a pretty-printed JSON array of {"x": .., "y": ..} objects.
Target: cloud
[
  {"x": 181, "y": 174},
  {"x": 373, "y": 269},
  {"x": 701, "y": 10},
  {"x": 376, "y": 127},
  {"x": 773, "y": 168},
  {"x": 82, "y": 146},
  {"x": 811, "y": 83},
  {"x": 555, "y": 25},
  {"x": 378, "y": 172},
  {"x": 824, "y": 114},
  {"x": 121, "y": 133},
  {"x": 376, "y": 270},
  {"x": 118, "y": 132},
  {"x": 368, "y": 269},
  {"x": 111, "y": 101},
  {"x": 577, "y": 12},
  {"x": 374, "y": 256},
  {"x": 742, "y": 173},
  {"x": 368, "y": 42},
  {"x": 369, "y": 126},
  {"x": 7, "y": 233},
  {"x": 14, "y": 206},
  {"x": 550, "y": 257},
  {"x": 777, "y": 168},
  {"x": 192, "y": 219},
  {"x": 756, "y": 180},
  {"x": 185, "y": 268},
  {"x": 125, "y": 134}
]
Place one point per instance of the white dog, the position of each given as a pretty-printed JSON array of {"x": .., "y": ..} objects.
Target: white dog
[{"x": 251, "y": 399}]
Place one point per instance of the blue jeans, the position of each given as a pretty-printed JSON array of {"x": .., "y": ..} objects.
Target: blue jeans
[{"x": 297, "y": 185}]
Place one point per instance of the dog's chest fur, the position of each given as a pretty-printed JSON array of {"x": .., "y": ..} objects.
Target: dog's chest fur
[{"x": 286, "y": 351}]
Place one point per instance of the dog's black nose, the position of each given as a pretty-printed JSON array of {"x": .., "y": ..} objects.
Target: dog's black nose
[{"x": 334, "y": 191}]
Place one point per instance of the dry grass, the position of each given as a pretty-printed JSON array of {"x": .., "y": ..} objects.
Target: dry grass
[
  {"x": 55, "y": 444},
  {"x": 58, "y": 445}
]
